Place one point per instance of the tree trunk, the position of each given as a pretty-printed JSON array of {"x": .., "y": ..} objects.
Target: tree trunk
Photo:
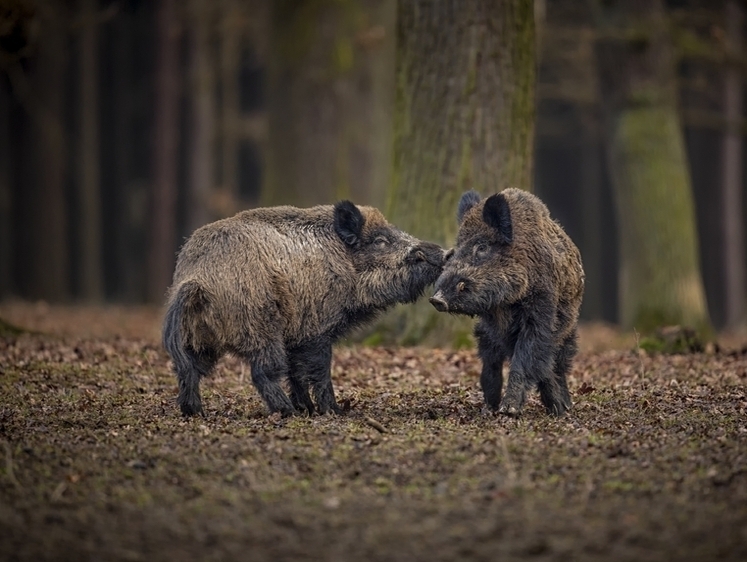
[
  {"x": 47, "y": 251},
  {"x": 90, "y": 257},
  {"x": 591, "y": 244},
  {"x": 130, "y": 190},
  {"x": 732, "y": 181},
  {"x": 163, "y": 206},
  {"x": 203, "y": 115},
  {"x": 6, "y": 195},
  {"x": 230, "y": 107},
  {"x": 331, "y": 74},
  {"x": 464, "y": 118},
  {"x": 660, "y": 280}
]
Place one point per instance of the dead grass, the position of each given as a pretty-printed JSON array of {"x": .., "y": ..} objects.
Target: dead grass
[{"x": 96, "y": 463}]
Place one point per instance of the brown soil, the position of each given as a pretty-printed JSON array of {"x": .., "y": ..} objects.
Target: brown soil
[{"x": 97, "y": 464}]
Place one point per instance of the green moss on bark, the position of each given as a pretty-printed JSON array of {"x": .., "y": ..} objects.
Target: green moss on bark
[{"x": 464, "y": 119}]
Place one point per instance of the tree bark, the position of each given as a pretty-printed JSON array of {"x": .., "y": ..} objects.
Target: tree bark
[
  {"x": 46, "y": 254},
  {"x": 732, "y": 181},
  {"x": 331, "y": 78},
  {"x": 90, "y": 257},
  {"x": 230, "y": 107},
  {"x": 162, "y": 254},
  {"x": 6, "y": 195},
  {"x": 203, "y": 115},
  {"x": 660, "y": 280},
  {"x": 464, "y": 118}
]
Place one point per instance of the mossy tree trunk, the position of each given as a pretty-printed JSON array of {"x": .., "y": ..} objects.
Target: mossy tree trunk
[
  {"x": 330, "y": 101},
  {"x": 660, "y": 280},
  {"x": 464, "y": 118}
]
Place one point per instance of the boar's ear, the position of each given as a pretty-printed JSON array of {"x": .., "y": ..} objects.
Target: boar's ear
[
  {"x": 468, "y": 200},
  {"x": 348, "y": 222},
  {"x": 497, "y": 214}
]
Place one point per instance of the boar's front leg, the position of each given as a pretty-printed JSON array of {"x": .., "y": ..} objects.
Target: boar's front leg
[
  {"x": 320, "y": 376},
  {"x": 300, "y": 358},
  {"x": 492, "y": 355},
  {"x": 311, "y": 365},
  {"x": 269, "y": 367},
  {"x": 531, "y": 362}
]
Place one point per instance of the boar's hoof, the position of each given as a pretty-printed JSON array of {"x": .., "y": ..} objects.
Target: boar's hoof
[
  {"x": 558, "y": 409},
  {"x": 509, "y": 410},
  {"x": 190, "y": 409},
  {"x": 330, "y": 409}
]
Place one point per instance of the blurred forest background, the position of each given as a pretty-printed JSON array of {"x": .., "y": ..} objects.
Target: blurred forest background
[{"x": 126, "y": 124}]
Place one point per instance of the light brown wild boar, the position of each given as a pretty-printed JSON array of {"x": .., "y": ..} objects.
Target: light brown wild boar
[
  {"x": 278, "y": 286},
  {"x": 517, "y": 270}
]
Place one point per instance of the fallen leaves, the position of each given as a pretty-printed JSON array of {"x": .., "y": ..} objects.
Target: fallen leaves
[{"x": 416, "y": 468}]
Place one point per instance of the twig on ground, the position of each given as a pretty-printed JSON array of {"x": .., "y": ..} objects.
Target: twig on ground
[
  {"x": 376, "y": 425},
  {"x": 9, "y": 465},
  {"x": 640, "y": 359}
]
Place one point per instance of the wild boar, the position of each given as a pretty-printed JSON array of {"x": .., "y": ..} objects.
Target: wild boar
[
  {"x": 277, "y": 286},
  {"x": 516, "y": 269}
]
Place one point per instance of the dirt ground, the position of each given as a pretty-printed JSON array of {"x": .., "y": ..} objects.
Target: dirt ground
[{"x": 97, "y": 464}]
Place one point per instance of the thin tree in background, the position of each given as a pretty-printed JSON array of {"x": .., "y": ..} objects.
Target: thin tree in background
[
  {"x": 660, "y": 280},
  {"x": 330, "y": 97},
  {"x": 45, "y": 248},
  {"x": 202, "y": 148},
  {"x": 6, "y": 195},
  {"x": 464, "y": 118},
  {"x": 230, "y": 38},
  {"x": 732, "y": 181},
  {"x": 162, "y": 245},
  {"x": 90, "y": 255}
]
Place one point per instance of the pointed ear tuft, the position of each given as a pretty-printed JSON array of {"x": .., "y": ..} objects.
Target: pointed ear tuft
[
  {"x": 497, "y": 214},
  {"x": 348, "y": 221},
  {"x": 468, "y": 200}
]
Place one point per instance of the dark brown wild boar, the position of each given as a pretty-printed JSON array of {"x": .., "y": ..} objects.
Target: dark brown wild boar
[
  {"x": 517, "y": 270},
  {"x": 278, "y": 286}
]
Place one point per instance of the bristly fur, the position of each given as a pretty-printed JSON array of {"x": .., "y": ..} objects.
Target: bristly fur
[
  {"x": 277, "y": 287},
  {"x": 517, "y": 270}
]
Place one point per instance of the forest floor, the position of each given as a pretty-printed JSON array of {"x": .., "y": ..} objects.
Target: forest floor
[{"x": 97, "y": 464}]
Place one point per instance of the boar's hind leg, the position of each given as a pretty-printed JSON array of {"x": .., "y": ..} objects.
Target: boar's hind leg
[
  {"x": 268, "y": 369},
  {"x": 555, "y": 396},
  {"x": 190, "y": 367}
]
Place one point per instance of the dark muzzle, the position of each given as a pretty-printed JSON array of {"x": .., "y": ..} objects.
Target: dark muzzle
[
  {"x": 438, "y": 302},
  {"x": 427, "y": 252}
]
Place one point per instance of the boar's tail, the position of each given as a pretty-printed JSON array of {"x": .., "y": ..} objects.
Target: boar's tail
[
  {"x": 179, "y": 338},
  {"x": 173, "y": 323}
]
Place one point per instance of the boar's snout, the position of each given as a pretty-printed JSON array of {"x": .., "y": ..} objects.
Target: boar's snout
[
  {"x": 427, "y": 252},
  {"x": 439, "y": 302}
]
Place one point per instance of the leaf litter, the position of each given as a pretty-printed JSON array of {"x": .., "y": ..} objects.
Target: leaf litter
[{"x": 651, "y": 463}]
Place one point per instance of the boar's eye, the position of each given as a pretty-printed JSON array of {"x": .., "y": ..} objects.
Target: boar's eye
[
  {"x": 481, "y": 250},
  {"x": 460, "y": 286},
  {"x": 381, "y": 241}
]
